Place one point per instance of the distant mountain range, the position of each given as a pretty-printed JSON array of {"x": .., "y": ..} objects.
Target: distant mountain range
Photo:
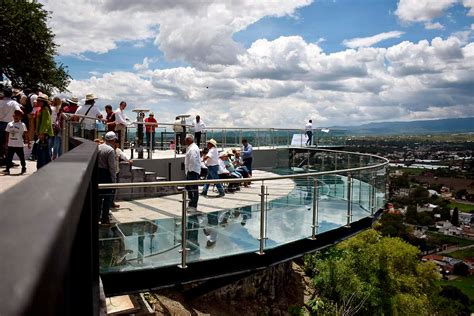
[{"x": 457, "y": 125}]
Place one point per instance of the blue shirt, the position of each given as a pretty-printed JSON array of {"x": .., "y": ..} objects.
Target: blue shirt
[{"x": 247, "y": 151}]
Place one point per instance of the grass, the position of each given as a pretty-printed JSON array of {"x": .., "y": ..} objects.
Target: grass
[
  {"x": 465, "y": 208},
  {"x": 440, "y": 239},
  {"x": 462, "y": 254},
  {"x": 465, "y": 284}
]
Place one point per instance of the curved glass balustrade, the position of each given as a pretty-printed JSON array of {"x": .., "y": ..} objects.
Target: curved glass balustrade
[
  {"x": 281, "y": 205},
  {"x": 166, "y": 139}
]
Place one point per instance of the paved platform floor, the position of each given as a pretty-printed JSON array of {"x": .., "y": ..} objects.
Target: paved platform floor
[
  {"x": 15, "y": 176},
  {"x": 170, "y": 206}
]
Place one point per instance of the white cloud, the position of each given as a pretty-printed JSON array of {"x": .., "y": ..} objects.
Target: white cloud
[
  {"x": 199, "y": 32},
  {"x": 470, "y": 5},
  {"x": 371, "y": 40},
  {"x": 426, "y": 10},
  {"x": 285, "y": 81},
  {"x": 422, "y": 10},
  {"x": 433, "y": 26}
]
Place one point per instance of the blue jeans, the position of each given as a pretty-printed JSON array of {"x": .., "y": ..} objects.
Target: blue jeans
[
  {"x": 248, "y": 164},
  {"x": 310, "y": 138},
  {"x": 150, "y": 136},
  {"x": 212, "y": 174},
  {"x": 57, "y": 150},
  {"x": 192, "y": 189}
]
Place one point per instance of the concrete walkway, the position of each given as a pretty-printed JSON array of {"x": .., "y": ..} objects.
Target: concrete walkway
[
  {"x": 15, "y": 177},
  {"x": 170, "y": 206}
]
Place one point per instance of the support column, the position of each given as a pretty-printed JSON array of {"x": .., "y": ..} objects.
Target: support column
[
  {"x": 262, "y": 238},
  {"x": 349, "y": 200},
  {"x": 315, "y": 222},
  {"x": 184, "y": 224}
]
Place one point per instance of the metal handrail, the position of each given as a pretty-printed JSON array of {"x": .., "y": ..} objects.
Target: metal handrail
[
  {"x": 70, "y": 115},
  {"x": 253, "y": 179}
]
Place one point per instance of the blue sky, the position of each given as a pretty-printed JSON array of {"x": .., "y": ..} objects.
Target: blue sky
[{"x": 335, "y": 61}]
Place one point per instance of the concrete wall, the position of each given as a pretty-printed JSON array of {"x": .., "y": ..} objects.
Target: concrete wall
[
  {"x": 263, "y": 158},
  {"x": 267, "y": 158},
  {"x": 162, "y": 167}
]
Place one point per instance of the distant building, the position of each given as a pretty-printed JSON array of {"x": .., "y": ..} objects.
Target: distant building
[
  {"x": 447, "y": 264},
  {"x": 426, "y": 208},
  {"x": 446, "y": 228},
  {"x": 466, "y": 218}
]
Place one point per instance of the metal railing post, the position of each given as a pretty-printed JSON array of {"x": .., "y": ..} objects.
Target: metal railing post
[
  {"x": 262, "y": 219},
  {"x": 184, "y": 224},
  {"x": 224, "y": 140},
  {"x": 175, "y": 143},
  {"x": 349, "y": 200},
  {"x": 372, "y": 210},
  {"x": 315, "y": 224},
  {"x": 64, "y": 136},
  {"x": 258, "y": 139},
  {"x": 360, "y": 180},
  {"x": 335, "y": 168},
  {"x": 301, "y": 139}
]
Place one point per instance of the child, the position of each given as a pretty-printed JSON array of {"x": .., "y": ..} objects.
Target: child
[{"x": 16, "y": 133}]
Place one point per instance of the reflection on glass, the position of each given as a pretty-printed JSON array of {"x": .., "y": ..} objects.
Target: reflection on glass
[{"x": 225, "y": 232}]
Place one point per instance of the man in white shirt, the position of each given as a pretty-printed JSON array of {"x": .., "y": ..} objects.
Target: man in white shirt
[
  {"x": 92, "y": 111},
  {"x": 309, "y": 132},
  {"x": 8, "y": 106},
  {"x": 192, "y": 167},
  {"x": 199, "y": 127},
  {"x": 121, "y": 123},
  {"x": 212, "y": 163}
]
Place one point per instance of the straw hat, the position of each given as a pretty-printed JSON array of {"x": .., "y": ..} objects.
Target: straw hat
[
  {"x": 43, "y": 97},
  {"x": 90, "y": 96},
  {"x": 223, "y": 154},
  {"x": 73, "y": 100},
  {"x": 213, "y": 142}
]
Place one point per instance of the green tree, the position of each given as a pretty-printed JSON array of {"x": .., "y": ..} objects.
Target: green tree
[
  {"x": 27, "y": 47},
  {"x": 455, "y": 217},
  {"x": 376, "y": 275},
  {"x": 451, "y": 301},
  {"x": 391, "y": 225},
  {"x": 420, "y": 195},
  {"x": 411, "y": 215}
]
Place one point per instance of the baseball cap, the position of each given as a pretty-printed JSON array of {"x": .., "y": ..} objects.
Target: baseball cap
[{"x": 110, "y": 136}]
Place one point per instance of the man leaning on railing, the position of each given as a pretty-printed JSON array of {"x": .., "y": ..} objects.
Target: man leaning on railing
[{"x": 89, "y": 109}]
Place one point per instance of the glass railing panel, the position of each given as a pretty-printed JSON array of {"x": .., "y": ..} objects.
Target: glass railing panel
[
  {"x": 289, "y": 218},
  {"x": 146, "y": 230},
  {"x": 212, "y": 235},
  {"x": 139, "y": 245}
]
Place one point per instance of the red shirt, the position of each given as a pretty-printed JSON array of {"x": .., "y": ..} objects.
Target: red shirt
[
  {"x": 71, "y": 108},
  {"x": 150, "y": 128}
]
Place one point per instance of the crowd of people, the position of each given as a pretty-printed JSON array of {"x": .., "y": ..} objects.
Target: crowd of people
[
  {"x": 211, "y": 165},
  {"x": 29, "y": 117},
  {"x": 43, "y": 123}
]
